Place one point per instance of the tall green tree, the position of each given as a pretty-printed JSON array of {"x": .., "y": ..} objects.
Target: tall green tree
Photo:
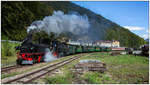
[{"x": 15, "y": 19}]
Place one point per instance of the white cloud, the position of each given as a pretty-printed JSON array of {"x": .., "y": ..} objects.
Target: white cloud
[
  {"x": 147, "y": 30},
  {"x": 131, "y": 28},
  {"x": 145, "y": 36}
]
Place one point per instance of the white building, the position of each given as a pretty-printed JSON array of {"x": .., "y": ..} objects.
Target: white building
[{"x": 115, "y": 44}]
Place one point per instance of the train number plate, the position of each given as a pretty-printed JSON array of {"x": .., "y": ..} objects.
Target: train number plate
[{"x": 27, "y": 62}]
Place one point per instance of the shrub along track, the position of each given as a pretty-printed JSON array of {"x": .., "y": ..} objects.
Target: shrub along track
[{"x": 30, "y": 76}]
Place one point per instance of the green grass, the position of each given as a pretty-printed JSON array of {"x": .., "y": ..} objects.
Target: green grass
[
  {"x": 125, "y": 68},
  {"x": 121, "y": 69},
  {"x": 92, "y": 77},
  {"x": 60, "y": 79},
  {"x": 8, "y": 53},
  {"x": 6, "y": 61},
  {"x": 96, "y": 78},
  {"x": 8, "y": 75}
]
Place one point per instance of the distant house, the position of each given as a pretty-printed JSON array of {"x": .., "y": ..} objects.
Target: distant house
[
  {"x": 109, "y": 43},
  {"x": 115, "y": 44}
]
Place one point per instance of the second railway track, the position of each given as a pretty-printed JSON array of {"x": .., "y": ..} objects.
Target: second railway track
[
  {"x": 8, "y": 68},
  {"x": 30, "y": 76}
]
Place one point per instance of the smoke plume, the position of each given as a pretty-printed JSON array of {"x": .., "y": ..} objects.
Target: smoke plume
[{"x": 61, "y": 23}]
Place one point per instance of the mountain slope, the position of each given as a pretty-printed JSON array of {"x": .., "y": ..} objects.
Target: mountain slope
[{"x": 16, "y": 16}]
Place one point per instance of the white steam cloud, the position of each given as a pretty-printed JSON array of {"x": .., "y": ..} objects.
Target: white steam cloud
[
  {"x": 61, "y": 23},
  {"x": 145, "y": 36},
  {"x": 48, "y": 56}
]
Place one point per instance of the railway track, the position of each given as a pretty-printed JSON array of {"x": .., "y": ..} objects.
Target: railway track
[
  {"x": 8, "y": 68},
  {"x": 30, "y": 76}
]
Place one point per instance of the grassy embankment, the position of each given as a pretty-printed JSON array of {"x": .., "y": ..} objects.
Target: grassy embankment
[
  {"x": 122, "y": 69},
  {"x": 8, "y": 53}
]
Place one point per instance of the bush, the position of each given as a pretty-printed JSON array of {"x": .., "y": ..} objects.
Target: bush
[{"x": 8, "y": 49}]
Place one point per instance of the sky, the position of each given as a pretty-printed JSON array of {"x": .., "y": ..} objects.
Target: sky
[{"x": 132, "y": 15}]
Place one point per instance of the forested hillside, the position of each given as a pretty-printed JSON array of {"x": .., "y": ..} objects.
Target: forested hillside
[{"x": 16, "y": 16}]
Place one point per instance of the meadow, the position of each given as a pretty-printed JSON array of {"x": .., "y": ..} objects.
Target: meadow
[{"x": 121, "y": 69}]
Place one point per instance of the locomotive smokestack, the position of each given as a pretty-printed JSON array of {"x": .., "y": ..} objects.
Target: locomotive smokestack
[{"x": 28, "y": 39}]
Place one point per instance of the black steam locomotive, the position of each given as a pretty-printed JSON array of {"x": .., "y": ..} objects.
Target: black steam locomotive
[{"x": 30, "y": 53}]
